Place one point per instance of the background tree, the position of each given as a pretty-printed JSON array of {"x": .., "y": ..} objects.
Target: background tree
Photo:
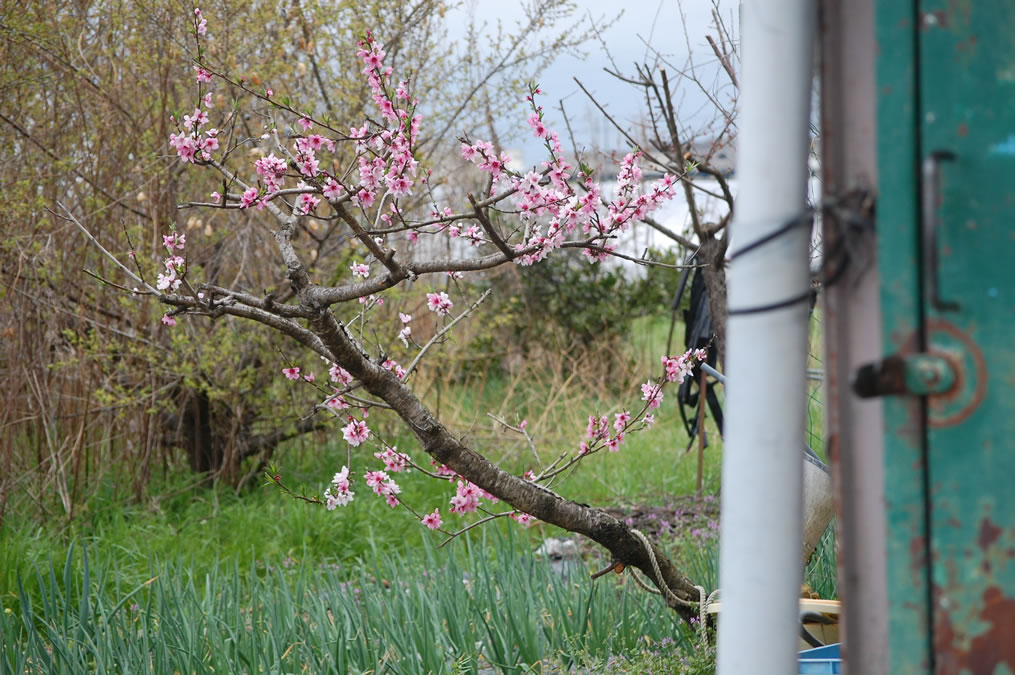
[{"x": 87, "y": 92}]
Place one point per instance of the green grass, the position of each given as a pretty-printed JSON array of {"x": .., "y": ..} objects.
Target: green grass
[{"x": 425, "y": 612}]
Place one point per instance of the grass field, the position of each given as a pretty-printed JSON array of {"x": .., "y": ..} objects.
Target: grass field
[{"x": 196, "y": 580}]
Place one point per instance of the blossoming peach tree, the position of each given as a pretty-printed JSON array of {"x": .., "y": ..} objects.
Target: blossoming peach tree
[{"x": 556, "y": 207}]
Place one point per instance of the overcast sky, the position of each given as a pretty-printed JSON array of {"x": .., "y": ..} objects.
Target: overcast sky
[{"x": 643, "y": 22}]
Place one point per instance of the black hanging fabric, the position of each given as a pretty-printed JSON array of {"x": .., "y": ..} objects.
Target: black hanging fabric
[{"x": 697, "y": 335}]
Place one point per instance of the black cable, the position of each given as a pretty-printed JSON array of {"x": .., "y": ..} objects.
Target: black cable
[
  {"x": 805, "y": 218},
  {"x": 758, "y": 309}
]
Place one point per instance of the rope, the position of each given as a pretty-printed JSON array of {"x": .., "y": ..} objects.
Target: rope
[
  {"x": 659, "y": 575},
  {"x": 703, "y": 600}
]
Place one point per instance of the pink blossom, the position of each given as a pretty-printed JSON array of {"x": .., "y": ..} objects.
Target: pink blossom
[
  {"x": 310, "y": 166},
  {"x": 433, "y": 520},
  {"x": 383, "y": 486},
  {"x": 202, "y": 74},
  {"x": 339, "y": 374},
  {"x": 315, "y": 142},
  {"x": 536, "y": 122},
  {"x": 620, "y": 420},
  {"x": 390, "y": 364},
  {"x": 679, "y": 367},
  {"x": 216, "y": 197},
  {"x": 174, "y": 240},
  {"x": 405, "y": 334},
  {"x": 652, "y": 392},
  {"x": 337, "y": 402},
  {"x": 332, "y": 190},
  {"x": 168, "y": 320},
  {"x": 649, "y": 421},
  {"x": 404, "y": 318},
  {"x": 292, "y": 373},
  {"x": 307, "y": 202},
  {"x": 309, "y": 377},
  {"x": 186, "y": 146},
  {"x": 466, "y": 499},
  {"x": 439, "y": 303},
  {"x": 305, "y": 123},
  {"x": 197, "y": 120},
  {"x": 521, "y": 518},
  {"x": 338, "y": 493},
  {"x": 249, "y": 197},
  {"x": 355, "y": 432},
  {"x": 364, "y": 198},
  {"x": 443, "y": 470},
  {"x": 360, "y": 270},
  {"x": 598, "y": 427},
  {"x": 394, "y": 461}
]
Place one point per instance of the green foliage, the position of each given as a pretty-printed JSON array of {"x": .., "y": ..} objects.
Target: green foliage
[{"x": 589, "y": 303}]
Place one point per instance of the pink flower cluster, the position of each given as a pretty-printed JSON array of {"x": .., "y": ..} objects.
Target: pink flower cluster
[
  {"x": 467, "y": 496},
  {"x": 339, "y": 374},
  {"x": 337, "y": 402},
  {"x": 394, "y": 461},
  {"x": 523, "y": 519},
  {"x": 392, "y": 365},
  {"x": 193, "y": 144},
  {"x": 393, "y": 167},
  {"x": 360, "y": 270},
  {"x": 338, "y": 493},
  {"x": 679, "y": 367},
  {"x": 174, "y": 264},
  {"x": 439, "y": 303},
  {"x": 383, "y": 486},
  {"x": 406, "y": 331},
  {"x": 356, "y": 432},
  {"x": 201, "y": 23},
  {"x": 432, "y": 520},
  {"x": 653, "y": 393},
  {"x": 630, "y": 204},
  {"x": 549, "y": 204}
]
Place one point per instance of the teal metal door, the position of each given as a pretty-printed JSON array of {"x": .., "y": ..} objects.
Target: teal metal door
[{"x": 946, "y": 231}]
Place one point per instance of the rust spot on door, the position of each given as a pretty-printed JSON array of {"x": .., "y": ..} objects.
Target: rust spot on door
[{"x": 989, "y": 533}]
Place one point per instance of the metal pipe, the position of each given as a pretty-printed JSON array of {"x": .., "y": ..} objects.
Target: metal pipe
[
  {"x": 760, "y": 566},
  {"x": 714, "y": 373}
]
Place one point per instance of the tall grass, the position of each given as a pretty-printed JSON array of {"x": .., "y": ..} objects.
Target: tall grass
[{"x": 423, "y": 612}]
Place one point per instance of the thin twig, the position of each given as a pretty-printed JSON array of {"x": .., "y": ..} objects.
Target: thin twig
[
  {"x": 524, "y": 433},
  {"x": 442, "y": 332},
  {"x": 70, "y": 217}
]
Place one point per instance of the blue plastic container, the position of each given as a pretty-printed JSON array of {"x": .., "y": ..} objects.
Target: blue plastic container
[{"x": 827, "y": 659}]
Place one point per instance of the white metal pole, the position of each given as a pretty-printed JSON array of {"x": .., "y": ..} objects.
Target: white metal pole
[{"x": 761, "y": 522}]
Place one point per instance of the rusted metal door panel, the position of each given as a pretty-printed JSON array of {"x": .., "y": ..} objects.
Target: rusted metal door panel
[
  {"x": 967, "y": 138},
  {"x": 946, "y": 245}
]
